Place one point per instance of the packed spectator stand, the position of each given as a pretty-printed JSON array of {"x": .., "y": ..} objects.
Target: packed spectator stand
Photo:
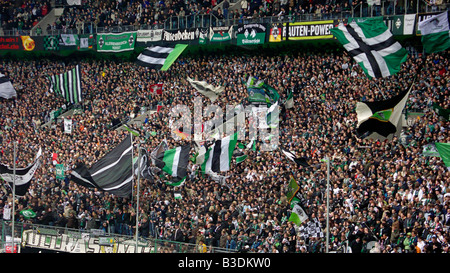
[{"x": 382, "y": 192}]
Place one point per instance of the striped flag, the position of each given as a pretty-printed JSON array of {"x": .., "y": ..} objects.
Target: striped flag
[
  {"x": 218, "y": 156},
  {"x": 372, "y": 46},
  {"x": 160, "y": 57},
  {"x": 7, "y": 90},
  {"x": 112, "y": 173},
  {"x": 67, "y": 85},
  {"x": 174, "y": 161}
]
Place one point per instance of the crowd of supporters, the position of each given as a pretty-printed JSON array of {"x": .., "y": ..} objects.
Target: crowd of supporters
[
  {"x": 385, "y": 194},
  {"x": 109, "y": 14}
]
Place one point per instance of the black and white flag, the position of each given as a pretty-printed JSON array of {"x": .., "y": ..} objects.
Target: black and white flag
[
  {"x": 23, "y": 175},
  {"x": 112, "y": 173},
  {"x": 67, "y": 85},
  {"x": 7, "y": 90},
  {"x": 160, "y": 57},
  {"x": 300, "y": 161}
]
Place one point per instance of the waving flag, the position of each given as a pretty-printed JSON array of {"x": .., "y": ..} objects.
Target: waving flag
[
  {"x": 160, "y": 57},
  {"x": 381, "y": 118},
  {"x": 372, "y": 46},
  {"x": 112, "y": 173},
  {"x": 7, "y": 90},
  {"x": 67, "y": 85},
  {"x": 435, "y": 33}
]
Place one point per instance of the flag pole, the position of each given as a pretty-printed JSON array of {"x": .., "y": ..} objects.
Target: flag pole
[
  {"x": 137, "y": 196},
  {"x": 328, "y": 202},
  {"x": 14, "y": 196}
]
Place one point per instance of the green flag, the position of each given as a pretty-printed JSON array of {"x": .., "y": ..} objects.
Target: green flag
[
  {"x": 132, "y": 131},
  {"x": 372, "y": 46},
  {"x": 179, "y": 48},
  {"x": 444, "y": 152},
  {"x": 298, "y": 215},
  {"x": 445, "y": 113},
  {"x": 435, "y": 33},
  {"x": 240, "y": 158},
  {"x": 28, "y": 213},
  {"x": 292, "y": 190}
]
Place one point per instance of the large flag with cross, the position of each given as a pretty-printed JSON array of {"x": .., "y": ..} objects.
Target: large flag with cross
[{"x": 372, "y": 46}]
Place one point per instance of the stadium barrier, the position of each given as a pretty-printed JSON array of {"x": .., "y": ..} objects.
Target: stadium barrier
[
  {"x": 62, "y": 239},
  {"x": 129, "y": 43}
]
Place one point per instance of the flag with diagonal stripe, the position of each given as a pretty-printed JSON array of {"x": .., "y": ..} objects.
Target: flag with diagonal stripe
[
  {"x": 372, "y": 46},
  {"x": 67, "y": 85},
  {"x": 112, "y": 173},
  {"x": 160, "y": 57}
]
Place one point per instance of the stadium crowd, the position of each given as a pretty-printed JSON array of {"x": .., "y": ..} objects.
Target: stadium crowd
[
  {"x": 109, "y": 14},
  {"x": 385, "y": 194}
]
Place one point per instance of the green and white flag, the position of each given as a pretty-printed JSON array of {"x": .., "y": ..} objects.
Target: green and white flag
[
  {"x": 132, "y": 131},
  {"x": 241, "y": 158},
  {"x": 430, "y": 150},
  {"x": 435, "y": 33},
  {"x": 289, "y": 103},
  {"x": 67, "y": 85},
  {"x": 298, "y": 215},
  {"x": 28, "y": 213},
  {"x": 177, "y": 196},
  {"x": 174, "y": 161},
  {"x": 175, "y": 182},
  {"x": 220, "y": 34},
  {"x": 372, "y": 46},
  {"x": 59, "y": 171},
  {"x": 218, "y": 156},
  {"x": 444, "y": 152}
]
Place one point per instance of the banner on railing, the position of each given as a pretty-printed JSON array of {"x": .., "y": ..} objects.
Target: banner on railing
[
  {"x": 220, "y": 34},
  {"x": 80, "y": 42},
  {"x": 186, "y": 35},
  {"x": 401, "y": 24},
  {"x": 151, "y": 35},
  {"x": 26, "y": 43},
  {"x": 275, "y": 33},
  {"x": 308, "y": 30},
  {"x": 251, "y": 34},
  {"x": 116, "y": 42}
]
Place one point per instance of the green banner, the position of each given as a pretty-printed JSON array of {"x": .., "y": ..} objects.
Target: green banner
[
  {"x": 220, "y": 34},
  {"x": 252, "y": 34},
  {"x": 116, "y": 42},
  {"x": 85, "y": 42},
  {"x": 60, "y": 171}
]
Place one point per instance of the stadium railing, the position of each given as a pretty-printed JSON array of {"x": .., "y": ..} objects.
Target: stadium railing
[
  {"x": 63, "y": 239},
  {"x": 385, "y": 8}
]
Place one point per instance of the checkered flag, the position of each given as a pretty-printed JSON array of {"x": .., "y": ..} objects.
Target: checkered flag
[
  {"x": 310, "y": 229},
  {"x": 51, "y": 42}
]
